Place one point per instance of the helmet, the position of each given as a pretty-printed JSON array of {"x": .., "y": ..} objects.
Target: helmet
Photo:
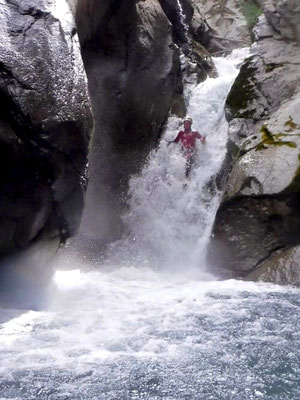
[{"x": 189, "y": 119}]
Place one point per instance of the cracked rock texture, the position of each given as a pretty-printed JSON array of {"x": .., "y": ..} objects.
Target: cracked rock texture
[
  {"x": 259, "y": 216},
  {"x": 283, "y": 16},
  {"x": 220, "y": 25},
  {"x": 45, "y": 125}
]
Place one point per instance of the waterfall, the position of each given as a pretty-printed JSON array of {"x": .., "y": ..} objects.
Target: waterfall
[
  {"x": 140, "y": 333},
  {"x": 182, "y": 21},
  {"x": 170, "y": 217}
]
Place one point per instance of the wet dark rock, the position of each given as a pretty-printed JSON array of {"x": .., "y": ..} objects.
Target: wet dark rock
[
  {"x": 45, "y": 125},
  {"x": 134, "y": 72},
  {"x": 250, "y": 229}
]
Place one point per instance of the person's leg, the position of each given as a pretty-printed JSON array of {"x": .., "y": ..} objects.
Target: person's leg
[{"x": 189, "y": 164}]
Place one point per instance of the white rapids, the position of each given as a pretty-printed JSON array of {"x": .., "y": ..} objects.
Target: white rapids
[
  {"x": 152, "y": 325},
  {"x": 138, "y": 334}
]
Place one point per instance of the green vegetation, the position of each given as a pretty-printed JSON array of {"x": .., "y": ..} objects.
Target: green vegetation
[
  {"x": 292, "y": 130},
  {"x": 290, "y": 125},
  {"x": 269, "y": 67},
  {"x": 266, "y": 134},
  {"x": 268, "y": 138},
  {"x": 251, "y": 10}
]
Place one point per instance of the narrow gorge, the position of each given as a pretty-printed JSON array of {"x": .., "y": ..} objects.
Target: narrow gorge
[{"x": 121, "y": 276}]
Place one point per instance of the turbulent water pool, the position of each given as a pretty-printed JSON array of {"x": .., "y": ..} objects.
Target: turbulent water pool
[
  {"x": 170, "y": 334},
  {"x": 139, "y": 334}
]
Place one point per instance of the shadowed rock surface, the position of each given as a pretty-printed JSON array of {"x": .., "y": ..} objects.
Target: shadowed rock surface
[
  {"x": 260, "y": 210},
  {"x": 45, "y": 125},
  {"x": 133, "y": 69},
  {"x": 250, "y": 229}
]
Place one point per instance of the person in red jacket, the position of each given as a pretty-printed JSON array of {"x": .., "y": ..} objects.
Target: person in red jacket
[{"x": 187, "y": 138}]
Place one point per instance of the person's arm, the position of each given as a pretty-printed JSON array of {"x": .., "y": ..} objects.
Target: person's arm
[
  {"x": 201, "y": 138},
  {"x": 177, "y": 137}
]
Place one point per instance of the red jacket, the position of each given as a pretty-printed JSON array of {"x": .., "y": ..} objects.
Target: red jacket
[{"x": 188, "y": 141}]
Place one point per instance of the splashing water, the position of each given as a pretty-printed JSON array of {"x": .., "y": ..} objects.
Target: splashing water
[
  {"x": 171, "y": 217},
  {"x": 139, "y": 334},
  {"x": 136, "y": 334}
]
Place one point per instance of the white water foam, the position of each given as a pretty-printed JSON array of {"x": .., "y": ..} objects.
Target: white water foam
[
  {"x": 170, "y": 217},
  {"x": 135, "y": 334}
]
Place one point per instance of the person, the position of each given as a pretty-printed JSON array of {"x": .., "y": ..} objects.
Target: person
[{"x": 187, "y": 138}]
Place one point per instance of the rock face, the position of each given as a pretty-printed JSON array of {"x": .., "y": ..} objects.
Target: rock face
[
  {"x": 133, "y": 66},
  {"x": 220, "y": 25},
  {"x": 282, "y": 268},
  {"x": 283, "y": 16},
  {"x": 260, "y": 211},
  {"x": 45, "y": 124}
]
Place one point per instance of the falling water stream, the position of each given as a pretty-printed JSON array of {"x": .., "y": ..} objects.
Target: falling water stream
[
  {"x": 152, "y": 324},
  {"x": 182, "y": 19},
  {"x": 170, "y": 217}
]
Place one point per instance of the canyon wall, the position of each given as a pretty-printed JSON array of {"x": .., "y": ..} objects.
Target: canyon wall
[
  {"x": 45, "y": 126},
  {"x": 257, "y": 229}
]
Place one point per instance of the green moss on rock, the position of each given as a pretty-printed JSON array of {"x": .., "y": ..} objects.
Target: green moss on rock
[
  {"x": 266, "y": 134},
  {"x": 269, "y": 67},
  {"x": 268, "y": 138},
  {"x": 291, "y": 125},
  {"x": 242, "y": 92}
]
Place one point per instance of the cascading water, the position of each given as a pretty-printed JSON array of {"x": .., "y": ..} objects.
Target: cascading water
[
  {"x": 137, "y": 333},
  {"x": 171, "y": 217},
  {"x": 182, "y": 21}
]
